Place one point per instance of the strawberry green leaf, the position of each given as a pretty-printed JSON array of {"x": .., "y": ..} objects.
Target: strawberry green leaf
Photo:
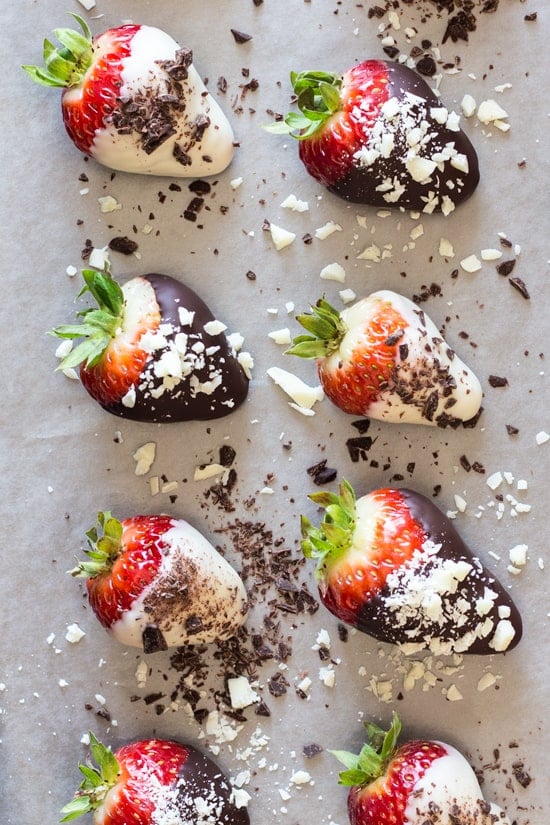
[
  {"x": 335, "y": 533},
  {"x": 104, "y": 546},
  {"x": 327, "y": 329},
  {"x": 100, "y": 324},
  {"x": 373, "y": 758},
  {"x": 76, "y": 807},
  {"x": 67, "y": 66},
  {"x": 318, "y": 97}
]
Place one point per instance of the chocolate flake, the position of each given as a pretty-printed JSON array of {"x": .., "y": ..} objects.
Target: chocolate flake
[
  {"x": 240, "y": 37},
  {"x": 497, "y": 381},
  {"x": 506, "y": 267},
  {"x": 152, "y": 639},
  {"x": 322, "y": 474},
  {"x": 518, "y": 284},
  {"x": 312, "y": 750},
  {"x": 123, "y": 245}
]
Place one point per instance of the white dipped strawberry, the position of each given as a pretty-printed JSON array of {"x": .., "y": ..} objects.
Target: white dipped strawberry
[
  {"x": 421, "y": 782},
  {"x": 384, "y": 358},
  {"x": 133, "y": 100},
  {"x": 156, "y": 582}
]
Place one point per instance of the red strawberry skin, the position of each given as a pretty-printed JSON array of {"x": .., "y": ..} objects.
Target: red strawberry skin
[
  {"x": 86, "y": 108},
  {"x": 160, "y": 781},
  {"x": 357, "y": 577},
  {"x": 354, "y": 379},
  {"x": 328, "y": 155},
  {"x": 145, "y": 766},
  {"x": 383, "y": 802},
  {"x": 113, "y": 593}
]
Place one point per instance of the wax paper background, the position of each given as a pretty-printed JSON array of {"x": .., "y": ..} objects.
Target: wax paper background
[{"x": 63, "y": 458}]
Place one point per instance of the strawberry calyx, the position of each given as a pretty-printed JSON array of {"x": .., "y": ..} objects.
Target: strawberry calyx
[
  {"x": 374, "y": 757},
  {"x": 98, "y": 780},
  {"x": 327, "y": 330},
  {"x": 99, "y": 325},
  {"x": 334, "y": 535},
  {"x": 67, "y": 66},
  {"x": 104, "y": 546},
  {"x": 318, "y": 97}
]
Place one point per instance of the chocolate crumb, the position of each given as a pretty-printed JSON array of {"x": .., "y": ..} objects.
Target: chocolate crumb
[
  {"x": 497, "y": 381},
  {"x": 426, "y": 66},
  {"x": 520, "y": 774},
  {"x": 311, "y": 750},
  {"x": 123, "y": 245},
  {"x": 343, "y": 632},
  {"x": 322, "y": 474},
  {"x": 358, "y": 447},
  {"x": 240, "y": 37},
  {"x": 518, "y": 284},
  {"x": 153, "y": 639},
  {"x": 262, "y": 709},
  {"x": 506, "y": 267}
]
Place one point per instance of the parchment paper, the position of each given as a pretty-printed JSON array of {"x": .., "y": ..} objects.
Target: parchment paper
[{"x": 64, "y": 458}]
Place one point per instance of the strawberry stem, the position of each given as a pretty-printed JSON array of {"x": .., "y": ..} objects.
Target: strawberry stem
[
  {"x": 104, "y": 545},
  {"x": 67, "y": 66},
  {"x": 373, "y": 758},
  {"x": 318, "y": 97},
  {"x": 99, "y": 325},
  {"x": 327, "y": 330},
  {"x": 335, "y": 533},
  {"x": 98, "y": 779}
]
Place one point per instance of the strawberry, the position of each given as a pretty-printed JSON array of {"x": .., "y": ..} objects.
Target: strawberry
[
  {"x": 132, "y": 99},
  {"x": 384, "y": 358},
  {"x": 379, "y": 135},
  {"x": 393, "y": 566},
  {"x": 156, "y": 582},
  {"x": 152, "y": 351},
  {"x": 151, "y": 782},
  {"x": 421, "y": 782}
]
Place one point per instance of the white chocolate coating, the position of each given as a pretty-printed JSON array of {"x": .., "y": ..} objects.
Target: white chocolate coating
[
  {"x": 429, "y": 364},
  {"x": 197, "y": 596},
  {"x": 140, "y": 71},
  {"x": 452, "y": 786}
]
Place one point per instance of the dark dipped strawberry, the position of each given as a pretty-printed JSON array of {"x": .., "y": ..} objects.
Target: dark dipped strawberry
[
  {"x": 393, "y": 566},
  {"x": 153, "y": 782},
  {"x": 133, "y": 100},
  {"x": 384, "y": 358},
  {"x": 420, "y": 782},
  {"x": 155, "y": 582},
  {"x": 379, "y": 135},
  {"x": 153, "y": 351}
]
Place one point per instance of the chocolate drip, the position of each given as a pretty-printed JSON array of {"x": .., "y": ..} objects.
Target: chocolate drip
[
  {"x": 182, "y": 402},
  {"x": 360, "y": 183},
  {"x": 201, "y": 779},
  {"x": 379, "y": 620}
]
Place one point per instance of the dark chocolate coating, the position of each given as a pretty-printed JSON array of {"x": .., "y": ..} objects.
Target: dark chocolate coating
[
  {"x": 200, "y": 778},
  {"x": 180, "y": 404},
  {"x": 376, "y": 620},
  {"x": 359, "y": 184}
]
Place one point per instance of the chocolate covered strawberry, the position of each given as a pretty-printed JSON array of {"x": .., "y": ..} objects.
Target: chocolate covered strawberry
[
  {"x": 132, "y": 99},
  {"x": 156, "y": 582},
  {"x": 153, "y": 782},
  {"x": 384, "y": 358},
  {"x": 421, "y": 782},
  {"x": 393, "y": 566},
  {"x": 379, "y": 135},
  {"x": 153, "y": 351}
]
